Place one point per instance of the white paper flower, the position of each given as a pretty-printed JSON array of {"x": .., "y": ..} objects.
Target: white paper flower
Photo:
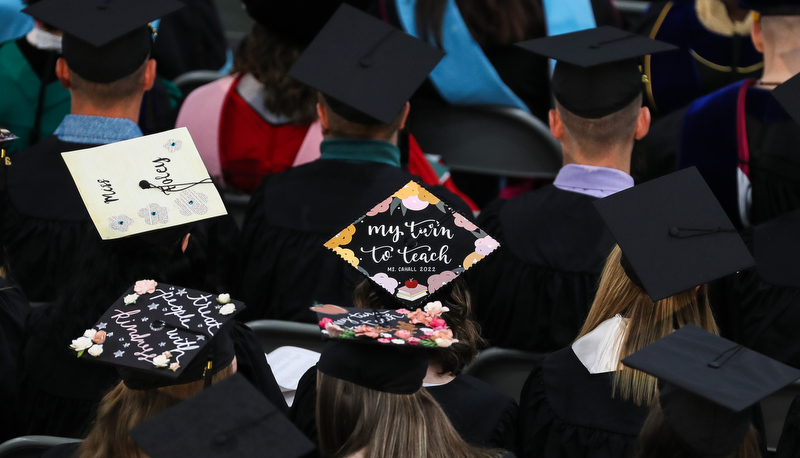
[
  {"x": 435, "y": 308},
  {"x": 227, "y": 309},
  {"x": 161, "y": 361},
  {"x": 89, "y": 333},
  {"x": 398, "y": 341},
  {"x": 386, "y": 335},
  {"x": 81, "y": 343},
  {"x": 444, "y": 342},
  {"x": 224, "y": 298},
  {"x": 130, "y": 299},
  {"x": 96, "y": 350}
]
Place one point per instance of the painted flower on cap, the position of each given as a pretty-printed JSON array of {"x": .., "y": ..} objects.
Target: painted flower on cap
[
  {"x": 342, "y": 238},
  {"x": 381, "y": 207},
  {"x": 224, "y": 298},
  {"x": 388, "y": 283},
  {"x": 436, "y": 281},
  {"x": 81, "y": 343},
  {"x": 227, "y": 309},
  {"x": 120, "y": 223},
  {"x": 348, "y": 255},
  {"x": 461, "y": 221},
  {"x": 96, "y": 350},
  {"x": 486, "y": 245},
  {"x": 145, "y": 287},
  {"x": 414, "y": 203},
  {"x": 130, "y": 299}
]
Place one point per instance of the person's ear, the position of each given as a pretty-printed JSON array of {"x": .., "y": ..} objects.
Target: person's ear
[
  {"x": 406, "y": 110},
  {"x": 556, "y": 125},
  {"x": 185, "y": 242},
  {"x": 756, "y": 33},
  {"x": 322, "y": 113},
  {"x": 643, "y": 123},
  {"x": 149, "y": 74},
  {"x": 62, "y": 73}
]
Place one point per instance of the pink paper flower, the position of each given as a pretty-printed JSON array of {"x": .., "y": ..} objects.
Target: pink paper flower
[
  {"x": 403, "y": 334},
  {"x": 324, "y": 322},
  {"x": 437, "y": 323},
  {"x": 384, "y": 340},
  {"x": 403, "y": 311},
  {"x": 419, "y": 317},
  {"x": 334, "y": 330},
  {"x": 412, "y": 341},
  {"x": 366, "y": 331},
  {"x": 99, "y": 337},
  {"x": 145, "y": 287}
]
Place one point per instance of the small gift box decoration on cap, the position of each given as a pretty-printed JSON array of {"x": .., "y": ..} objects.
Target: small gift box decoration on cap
[
  {"x": 144, "y": 184},
  {"x": 412, "y": 244},
  {"x": 157, "y": 334}
]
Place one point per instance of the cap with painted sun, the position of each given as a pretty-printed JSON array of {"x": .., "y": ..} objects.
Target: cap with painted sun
[
  {"x": 160, "y": 335},
  {"x": 104, "y": 40},
  {"x": 597, "y": 71},
  {"x": 412, "y": 244},
  {"x": 366, "y": 68},
  {"x": 707, "y": 384},
  {"x": 673, "y": 233}
]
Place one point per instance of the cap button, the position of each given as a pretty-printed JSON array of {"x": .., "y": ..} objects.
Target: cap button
[{"x": 674, "y": 232}]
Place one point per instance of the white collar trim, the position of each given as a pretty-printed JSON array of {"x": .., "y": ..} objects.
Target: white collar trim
[{"x": 599, "y": 350}]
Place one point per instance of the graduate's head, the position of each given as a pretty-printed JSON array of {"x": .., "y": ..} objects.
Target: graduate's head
[
  {"x": 346, "y": 125},
  {"x": 106, "y": 96}
]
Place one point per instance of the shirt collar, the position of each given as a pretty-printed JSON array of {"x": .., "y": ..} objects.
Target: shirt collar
[
  {"x": 360, "y": 151},
  {"x": 96, "y": 130},
  {"x": 592, "y": 180}
]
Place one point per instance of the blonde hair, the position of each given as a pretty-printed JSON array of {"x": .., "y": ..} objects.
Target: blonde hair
[
  {"x": 352, "y": 419},
  {"x": 647, "y": 322},
  {"x": 123, "y": 408}
]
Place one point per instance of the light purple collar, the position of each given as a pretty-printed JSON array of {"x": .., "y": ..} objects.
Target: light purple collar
[{"x": 591, "y": 180}]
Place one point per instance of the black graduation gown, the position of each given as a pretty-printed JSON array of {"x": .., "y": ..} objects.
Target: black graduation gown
[
  {"x": 45, "y": 219},
  {"x": 789, "y": 443},
  {"x": 283, "y": 266},
  {"x": 483, "y": 416},
  {"x": 59, "y": 393},
  {"x": 567, "y": 412},
  {"x": 534, "y": 293},
  {"x": 14, "y": 310}
]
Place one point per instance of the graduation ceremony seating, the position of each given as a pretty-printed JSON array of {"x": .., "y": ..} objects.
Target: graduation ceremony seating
[
  {"x": 31, "y": 446},
  {"x": 276, "y": 333},
  {"x": 504, "y": 368}
]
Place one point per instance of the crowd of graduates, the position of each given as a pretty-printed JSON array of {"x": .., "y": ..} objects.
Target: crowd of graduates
[{"x": 654, "y": 277}]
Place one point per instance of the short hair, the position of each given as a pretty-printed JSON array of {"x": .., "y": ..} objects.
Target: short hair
[
  {"x": 776, "y": 29},
  {"x": 106, "y": 95},
  {"x": 596, "y": 135},
  {"x": 338, "y": 127}
]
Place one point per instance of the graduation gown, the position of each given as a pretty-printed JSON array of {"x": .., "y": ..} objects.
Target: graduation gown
[
  {"x": 45, "y": 219},
  {"x": 14, "y": 310},
  {"x": 789, "y": 444},
  {"x": 283, "y": 266},
  {"x": 710, "y": 141},
  {"x": 483, "y": 416},
  {"x": 534, "y": 293},
  {"x": 567, "y": 412}
]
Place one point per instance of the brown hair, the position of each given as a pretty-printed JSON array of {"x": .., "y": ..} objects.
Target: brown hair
[
  {"x": 456, "y": 357},
  {"x": 598, "y": 135},
  {"x": 657, "y": 440},
  {"x": 648, "y": 322},
  {"x": 123, "y": 408},
  {"x": 268, "y": 58},
  {"x": 338, "y": 127},
  {"x": 108, "y": 95},
  {"x": 351, "y": 418}
]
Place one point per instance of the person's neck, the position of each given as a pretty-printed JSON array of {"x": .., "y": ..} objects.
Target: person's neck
[
  {"x": 619, "y": 159},
  {"x": 780, "y": 64},
  {"x": 392, "y": 139},
  {"x": 435, "y": 377},
  {"x": 123, "y": 109}
]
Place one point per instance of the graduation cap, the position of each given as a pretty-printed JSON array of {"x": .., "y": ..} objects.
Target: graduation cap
[
  {"x": 380, "y": 349},
  {"x": 597, "y": 71},
  {"x": 104, "y": 40},
  {"x": 772, "y": 7},
  {"x": 298, "y": 21},
  {"x": 144, "y": 184},
  {"x": 788, "y": 95},
  {"x": 777, "y": 249},
  {"x": 673, "y": 233},
  {"x": 243, "y": 423},
  {"x": 156, "y": 334},
  {"x": 366, "y": 69},
  {"x": 707, "y": 385},
  {"x": 411, "y": 244}
]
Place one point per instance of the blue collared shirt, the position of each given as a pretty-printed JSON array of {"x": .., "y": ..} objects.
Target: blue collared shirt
[
  {"x": 591, "y": 180},
  {"x": 96, "y": 130}
]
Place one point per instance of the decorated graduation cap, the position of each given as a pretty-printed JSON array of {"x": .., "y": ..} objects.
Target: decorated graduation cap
[
  {"x": 412, "y": 244},
  {"x": 707, "y": 385},
  {"x": 144, "y": 184},
  {"x": 243, "y": 424},
  {"x": 776, "y": 248},
  {"x": 673, "y": 233},
  {"x": 772, "y": 7},
  {"x": 597, "y": 70},
  {"x": 104, "y": 40},
  {"x": 160, "y": 335},
  {"x": 379, "y": 349},
  {"x": 366, "y": 69}
]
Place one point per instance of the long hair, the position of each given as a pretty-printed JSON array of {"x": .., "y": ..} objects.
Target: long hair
[
  {"x": 648, "y": 321},
  {"x": 268, "y": 58},
  {"x": 351, "y": 418},
  {"x": 123, "y": 408},
  {"x": 491, "y": 22},
  {"x": 657, "y": 440},
  {"x": 456, "y": 357}
]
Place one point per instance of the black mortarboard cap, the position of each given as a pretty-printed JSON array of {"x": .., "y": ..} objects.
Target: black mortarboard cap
[
  {"x": 297, "y": 21},
  {"x": 776, "y": 248},
  {"x": 707, "y": 384},
  {"x": 160, "y": 335},
  {"x": 788, "y": 95},
  {"x": 597, "y": 71},
  {"x": 772, "y": 7},
  {"x": 381, "y": 349},
  {"x": 366, "y": 69},
  {"x": 411, "y": 244},
  {"x": 673, "y": 233},
  {"x": 230, "y": 419},
  {"x": 104, "y": 40}
]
